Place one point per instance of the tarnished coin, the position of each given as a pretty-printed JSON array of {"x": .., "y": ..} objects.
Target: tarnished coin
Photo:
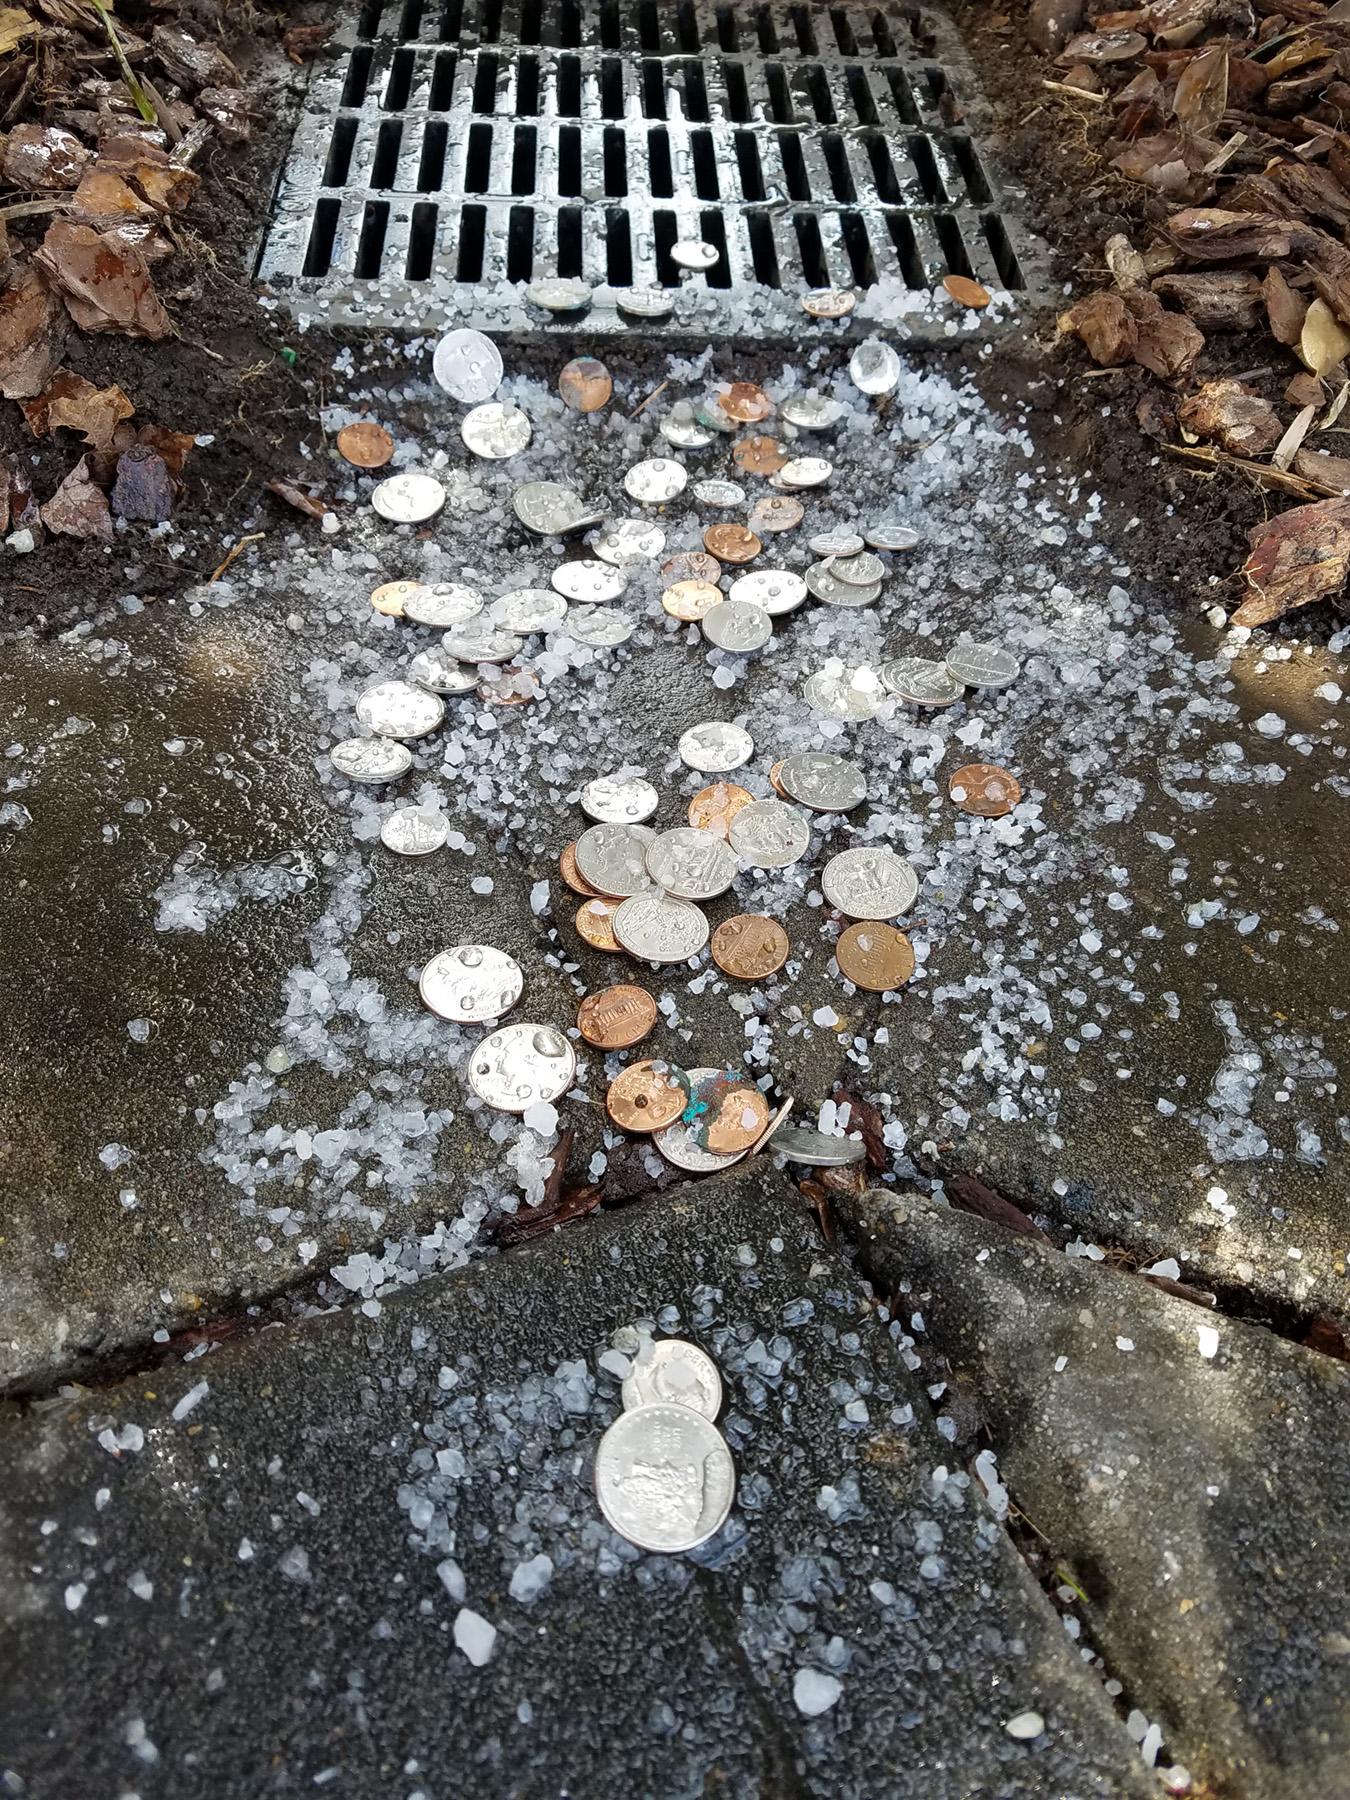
[
  {"x": 443, "y": 604},
  {"x": 595, "y": 923},
  {"x": 715, "y": 747},
  {"x": 414, "y": 830},
  {"x": 617, "y": 1018},
  {"x": 690, "y": 864},
  {"x": 520, "y": 1066},
  {"x": 985, "y": 790},
  {"x": 890, "y": 534},
  {"x": 869, "y": 883},
  {"x": 549, "y": 509},
  {"x": 391, "y": 596},
  {"x": 691, "y": 600},
  {"x": 644, "y": 302},
  {"x": 812, "y": 411},
  {"x": 471, "y": 983},
  {"x": 737, "y": 627},
  {"x": 559, "y": 294},
  {"x": 409, "y": 498},
  {"x": 629, "y": 540},
  {"x": 365, "y": 444},
  {"x": 816, "y": 1149},
  {"x": 647, "y": 1096},
  {"x": 468, "y": 366},
  {"x": 613, "y": 858},
  {"x": 589, "y": 580},
  {"x": 713, "y": 808},
  {"x": 718, "y": 493},
  {"x": 863, "y": 570},
  {"x": 836, "y": 543},
  {"x": 691, "y": 565},
  {"x": 983, "y": 665},
  {"x": 656, "y": 480},
  {"x": 442, "y": 674},
  {"x": 495, "y": 431},
  {"x": 874, "y": 956},
  {"x": 731, "y": 543},
  {"x": 571, "y": 874},
  {"x": 805, "y": 472},
  {"x": 694, "y": 253},
  {"x": 750, "y": 947},
  {"x": 920, "y": 681},
  {"x": 726, "y": 1111},
  {"x": 874, "y": 368},
  {"x": 776, "y": 512},
  {"x": 397, "y": 709},
  {"x": 829, "y": 303},
  {"x": 370, "y": 760},
  {"x": 660, "y": 929},
  {"x": 682, "y": 431},
  {"x": 664, "y": 1478},
  {"x": 679, "y": 1146},
  {"x": 619, "y": 799},
  {"x": 746, "y": 402},
  {"x": 775, "y": 591},
  {"x": 823, "y": 782},
  {"x": 526, "y": 611},
  {"x": 851, "y": 696},
  {"x": 599, "y": 626},
  {"x": 769, "y": 835},
  {"x": 759, "y": 455},
  {"x": 585, "y": 384},
  {"x": 670, "y": 1371}
]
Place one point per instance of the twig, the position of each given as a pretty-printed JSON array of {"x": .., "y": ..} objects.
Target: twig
[
  {"x": 1301, "y": 487},
  {"x": 28, "y": 209},
  {"x": 1067, "y": 87},
  {"x": 235, "y": 549},
  {"x": 1226, "y": 155},
  {"x": 647, "y": 402}
]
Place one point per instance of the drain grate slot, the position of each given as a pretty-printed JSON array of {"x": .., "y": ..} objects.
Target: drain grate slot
[{"x": 459, "y": 147}]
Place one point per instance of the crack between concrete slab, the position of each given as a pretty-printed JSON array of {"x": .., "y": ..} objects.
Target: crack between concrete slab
[{"x": 784, "y": 1779}]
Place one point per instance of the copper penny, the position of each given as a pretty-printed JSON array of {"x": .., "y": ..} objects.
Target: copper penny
[
  {"x": 985, "y": 790},
  {"x": 729, "y": 1113},
  {"x": 732, "y": 543},
  {"x": 366, "y": 444},
  {"x": 585, "y": 384},
  {"x": 691, "y": 565},
  {"x": 690, "y": 600},
  {"x": 745, "y": 402},
  {"x": 511, "y": 686},
  {"x": 572, "y": 875},
  {"x": 648, "y": 1096},
  {"x": 759, "y": 455},
  {"x": 713, "y": 808},
  {"x": 774, "y": 781},
  {"x": 874, "y": 956},
  {"x": 595, "y": 922},
  {"x": 968, "y": 292},
  {"x": 617, "y": 1018},
  {"x": 750, "y": 946},
  {"x": 777, "y": 513},
  {"x": 391, "y": 596}
]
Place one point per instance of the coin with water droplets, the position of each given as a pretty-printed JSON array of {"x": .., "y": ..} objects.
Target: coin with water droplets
[
  {"x": 837, "y": 542},
  {"x": 768, "y": 834},
  {"x": 365, "y": 444},
  {"x": 559, "y": 294},
  {"x": 691, "y": 864},
  {"x": 691, "y": 565},
  {"x": 694, "y": 253},
  {"x": 851, "y": 696},
  {"x": 874, "y": 368},
  {"x": 774, "y": 590},
  {"x": 409, "y": 498},
  {"x": 718, "y": 493},
  {"x": 737, "y": 627},
  {"x": 397, "y": 709},
  {"x": 863, "y": 570},
  {"x": 629, "y": 540},
  {"x": 391, "y": 597},
  {"x": 481, "y": 645},
  {"x": 805, "y": 472},
  {"x": 817, "y": 1149},
  {"x": 731, "y": 543},
  {"x": 520, "y": 1066},
  {"x": 571, "y": 874},
  {"x": 644, "y": 302},
  {"x": 983, "y": 665},
  {"x": 619, "y": 799},
  {"x": 669, "y": 1371},
  {"x": 829, "y": 303},
  {"x": 585, "y": 384},
  {"x": 613, "y": 859},
  {"x": 812, "y": 411},
  {"x": 776, "y": 512},
  {"x": 683, "y": 432},
  {"x": 746, "y": 402},
  {"x": 713, "y": 808},
  {"x": 599, "y": 626},
  {"x": 595, "y": 923},
  {"x": 495, "y": 431},
  {"x": 647, "y": 1096},
  {"x": 750, "y": 947},
  {"x": 589, "y": 580},
  {"x": 759, "y": 455},
  {"x": 657, "y": 928},
  {"x": 890, "y": 534},
  {"x": 708, "y": 414},
  {"x": 985, "y": 790},
  {"x": 617, "y": 1018},
  {"x": 874, "y": 956},
  {"x": 471, "y": 983},
  {"x": 549, "y": 509},
  {"x": 526, "y": 611},
  {"x": 715, "y": 747},
  {"x": 371, "y": 760},
  {"x": 442, "y": 605},
  {"x": 921, "y": 681},
  {"x": 468, "y": 366},
  {"x": 691, "y": 600},
  {"x": 414, "y": 830},
  {"x": 823, "y": 782},
  {"x": 656, "y": 480},
  {"x": 442, "y": 674},
  {"x": 869, "y": 883},
  {"x": 821, "y": 580}
]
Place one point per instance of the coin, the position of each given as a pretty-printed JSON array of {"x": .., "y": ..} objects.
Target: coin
[
  {"x": 745, "y": 402},
  {"x": 647, "y": 1096},
  {"x": 836, "y": 543},
  {"x": 619, "y": 799},
  {"x": 595, "y": 923},
  {"x": 471, "y": 983},
  {"x": 599, "y": 626},
  {"x": 389, "y": 598},
  {"x": 768, "y": 834},
  {"x": 559, "y": 294},
  {"x": 589, "y": 580},
  {"x": 718, "y": 493},
  {"x": 750, "y": 946},
  {"x": 983, "y": 665},
  {"x": 617, "y": 1018},
  {"x": 691, "y": 864},
  {"x": 441, "y": 674},
  {"x": 965, "y": 291},
  {"x": 656, "y": 480},
  {"x": 713, "y": 808},
  {"x": 691, "y": 565},
  {"x": 726, "y": 1111},
  {"x": 679, "y": 1146},
  {"x": 759, "y": 455},
  {"x": 776, "y": 512},
  {"x": 890, "y": 534},
  {"x": 921, "y": 682},
  {"x": 738, "y": 627},
  {"x": 669, "y": 1370},
  {"x": 629, "y": 540},
  {"x": 510, "y": 686},
  {"x": 443, "y": 604},
  {"x": 829, "y": 303},
  {"x": 571, "y": 874},
  {"x": 775, "y": 591},
  {"x": 731, "y": 543},
  {"x": 776, "y": 780},
  {"x": 660, "y": 929},
  {"x": 365, "y": 444},
  {"x": 495, "y": 431},
  {"x": 397, "y": 709},
  {"x": 644, "y": 302},
  {"x": 481, "y": 644},
  {"x": 874, "y": 956},
  {"x": 520, "y": 1066},
  {"x": 414, "y": 830},
  {"x": 468, "y": 366},
  {"x": 585, "y": 384},
  {"x": 528, "y": 611},
  {"x": 664, "y": 1478},
  {"x": 715, "y": 747},
  {"x": 805, "y": 472},
  {"x": 815, "y": 1149},
  {"x": 371, "y": 760},
  {"x": 985, "y": 790},
  {"x": 869, "y": 883},
  {"x": 852, "y": 695},
  {"x": 409, "y": 498},
  {"x": 613, "y": 858},
  {"x": 682, "y": 431},
  {"x": 691, "y": 600},
  {"x": 549, "y": 509},
  {"x": 823, "y": 782},
  {"x": 874, "y": 367},
  {"x": 812, "y": 411},
  {"x": 694, "y": 253},
  {"x": 863, "y": 570}
]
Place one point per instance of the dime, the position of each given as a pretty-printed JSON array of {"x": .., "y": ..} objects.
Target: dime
[
  {"x": 874, "y": 956},
  {"x": 823, "y": 782},
  {"x": 371, "y": 760},
  {"x": 823, "y": 583},
  {"x": 468, "y": 366},
  {"x": 390, "y": 597},
  {"x": 921, "y": 682},
  {"x": 414, "y": 830},
  {"x": 571, "y": 874},
  {"x": 365, "y": 444},
  {"x": 776, "y": 512},
  {"x": 691, "y": 864},
  {"x": 715, "y": 747},
  {"x": 589, "y": 580},
  {"x": 874, "y": 367},
  {"x": 812, "y": 411},
  {"x": 889, "y": 534},
  {"x": 527, "y": 611},
  {"x": 613, "y": 858},
  {"x": 595, "y": 923},
  {"x": 678, "y": 1374},
  {"x": 647, "y": 1096},
  {"x": 629, "y": 540},
  {"x": 731, "y": 543},
  {"x": 520, "y": 1066},
  {"x": 495, "y": 431},
  {"x": 444, "y": 604},
  {"x": 805, "y": 472},
  {"x": 599, "y": 626},
  {"x": 471, "y": 983},
  {"x": 985, "y": 790},
  {"x": 678, "y": 1145},
  {"x": 711, "y": 417},
  {"x": 983, "y": 665},
  {"x": 851, "y": 696},
  {"x": 750, "y": 946},
  {"x": 745, "y": 402},
  {"x": 409, "y": 498},
  {"x": 441, "y": 674},
  {"x": 682, "y": 430},
  {"x": 397, "y": 709},
  {"x": 691, "y": 600},
  {"x": 691, "y": 565},
  {"x": 619, "y": 799},
  {"x": 694, "y": 253},
  {"x": 728, "y": 1111},
  {"x": 869, "y": 883},
  {"x": 775, "y": 591},
  {"x": 713, "y": 808},
  {"x": 510, "y": 686},
  {"x": 664, "y": 1478},
  {"x": 816, "y": 1150},
  {"x": 718, "y": 493},
  {"x": 644, "y": 302},
  {"x": 738, "y": 627},
  {"x": 559, "y": 294},
  {"x": 864, "y": 570},
  {"x": 656, "y": 480},
  {"x": 660, "y": 929},
  {"x": 549, "y": 509},
  {"x": 759, "y": 455},
  {"x": 480, "y": 644},
  {"x": 617, "y": 1018},
  {"x": 585, "y": 384},
  {"x": 768, "y": 834},
  {"x": 965, "y": 291},
  {"x": 836, "y": 543},
  {"x": 829, "y": 303}
]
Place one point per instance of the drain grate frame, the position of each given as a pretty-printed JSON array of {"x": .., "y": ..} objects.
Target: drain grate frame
[{"x": 454, "y": 150}]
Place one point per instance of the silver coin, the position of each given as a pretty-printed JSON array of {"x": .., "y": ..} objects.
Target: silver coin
[
  {"x": 691, "y": 864},
  {"x": 495, "y": 431},
  {"x": 629, "y": 540},
  {"x": 719, "y": 493},
  {"x": 560, "y": 294},
  {"x": 869, "y": 883},
  {"x": 599, "y": 626},
  {"x": 836, "y": 543},
  {"x": 656, "y": 480},
  {"x": 414, "y": 830},
  {"x": 397, "y": 709},
  {"x": 471, "y": 983},
  {"x": 983, "y": 665},
  {"x": 715, "y": 747},
  {"x": 805, "y": 472},
  {"x": 817, "y": 1150},
  {"x": 812, "y": 412},
  {"x": 694, "y": 253},
  {"x": 821, "y": 580},
  {"x": 613, "y": 859},
  {"x": 482, "y": 645},
  {"x": 549, "y": 509},
  {"x": 829, "y": 303},
  {"x": 769, "y": 835},
  {"x": 442, "y": 674},
  {"x": 874, "y": 367},
  {"x": 619, "y": 799},
  {"x": 442, "y": 605},
  {"x": 823, "y": 782},
  {"x": 644, "y": 302},
  {"x": 776, "y": 512},
  {"x": 372, "y": 759},
  {"x": 660, "y": 929},
  {"x": 468, "y": 366},
  {"x": 408, "y": 498},
  {"x": 860, "y": 571},
  {"x": 520, "y": 1066},
  {"x": 889, "y": 534},
  {"x": 737, "y": 626},
  {"x": 528, "y": 610},
  {"x": 685, "y": 433},
  {"x": 589, "y": 580},
  {"x": 671, "y": 1372},
  {"x": 843, "y": 696},
  {"x": 921, "y": 681},
  {"x": 664, "y": 1478},
  {"x": 775, "y": 591}
]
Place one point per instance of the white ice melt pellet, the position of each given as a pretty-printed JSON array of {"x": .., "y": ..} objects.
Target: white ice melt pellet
[
  {"x": 1124, "y": 1343},
  {"x": 543, "y": 1118},
  {"x": 529, "y": 1579},
  {"x": 74, "y": 1596},
  {"x": 1270, "y": 725},
  {"x": 482, "y": 884},
  {"x": 294, "y": 1563},
  {"x": 1025, "y": 1725},
  {"x": 1208, "y": 1340},
  {"x": 1169, "y": 1268},
  {"x": 138, "y": 1030},
  {"x": 141, "y": 1585},
  {"x": 1329, "y": 691},
  {"x": 539, "y": 898},
  {"x": 1093, "y": 1252},
  {"x": 193, "y": 1398},
  {"x": 1061, "y": 1363},
  {"x": 452, "y": 1579},
  {"x": 130, "y": 1437},
  {"x": 1217, "y": 1197},
  {"x": 814, "y": 1693},
  {"x": 474, "y": 1636},
  {"x": 986, "y": 1469},
  {"x": 615, "y": 1363},
  {"x": 112, "y": 1156}
]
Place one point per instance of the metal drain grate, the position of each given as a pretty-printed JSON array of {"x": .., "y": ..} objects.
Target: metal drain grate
[{"x": 458, "y": 149}]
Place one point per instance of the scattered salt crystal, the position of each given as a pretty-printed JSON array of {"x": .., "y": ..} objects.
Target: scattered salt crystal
[
  {"x": 294, "y": 1563},
  {"x": 75, "y": 1594},
  {"x": 1025, "y": 1725},
  {"x": 529, "y": 1579},
  {"x": 1169, "y": 1268},
  {"x": 1209, "y": 1340},
  {"x": 543, "y": 1118},
  {"x": 193, "y": 1397},
  {"x": 474, "y": 1636},
  {"x": 814, "y": 1693},
  {"x": 1124, "y": 1343}
]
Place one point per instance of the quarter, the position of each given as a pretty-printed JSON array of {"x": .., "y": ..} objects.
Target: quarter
[
  {"x": 520, "y": 1066},
  {"x": 664, "y": 1478},
  {"x": 677, "y": 1373},
  {"x": 471, "y": 983},
  {"x": 869, "y": 883}
]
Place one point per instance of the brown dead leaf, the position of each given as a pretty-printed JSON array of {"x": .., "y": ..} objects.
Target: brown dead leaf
[
  {"x": 43, "y": 157},
  {"x": 143, "y": 490},
  {"x": 105, "y": 282},
  {"x": 1331, "y": 1338},
  {"x": 1169, "y": 162},
  {"x": 864, "y": 1117},
  {"x": 15, "y": 25},
  {"x": 1201, "y": 97},
  {"x": 71, "y": 402},
  {"x": 1217, "y": 299},
  {"x": 33, "y": 330},
  {"x": 79, "y": 508},
  {"x": 173, "y": 446},
  {"x": 1224, "y": 412},
  {"x": 1324, "y": 341},
  {"x": 1284, "y": 308},
  {"x": 971, "y": 1195},
  {"x": 1124, "y": 261},
  {"x": 312, "y": 505},
  {"x": 1295, "y": 558},
  {"x": 1104, "y": 325}
]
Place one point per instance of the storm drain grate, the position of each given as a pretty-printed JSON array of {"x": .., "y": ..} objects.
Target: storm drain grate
[{"x": 458, "y": 149}]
